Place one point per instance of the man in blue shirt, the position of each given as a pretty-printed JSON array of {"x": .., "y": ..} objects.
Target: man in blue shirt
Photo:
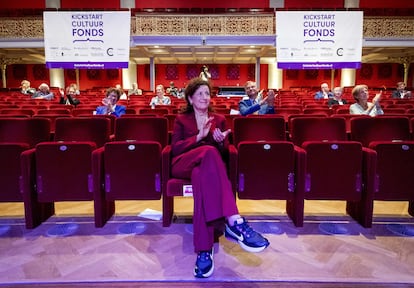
[
  {"x": 324, "y": 93},
  {"x": 254, "y": 103}
]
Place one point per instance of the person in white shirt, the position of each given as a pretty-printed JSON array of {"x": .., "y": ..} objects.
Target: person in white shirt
[
  {"x": 160, "y": 98},
  {"x": 134, "y": 90},
  {"x": 362, "y": 106},
  {"x": 204, "y": 74}
]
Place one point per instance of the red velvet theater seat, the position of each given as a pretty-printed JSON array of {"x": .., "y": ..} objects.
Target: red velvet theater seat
[
  {"x": 336, "y": 169},
  {"x": 16, "y": 136},
  {"x": 384, "y": 128},
  {"x": 317, "y": 128},
  {"x": 130, "y": 167},
  {"x": 93, "y": 129},
  {"x": 271, "y": 170},
  {"x": 389, "y": 136},
  {"x": 264, "y": 165},
  {"x": 258, "y": 127},
  {"x": 52, "y": 118},
  {"x": 62, "y": 170}
]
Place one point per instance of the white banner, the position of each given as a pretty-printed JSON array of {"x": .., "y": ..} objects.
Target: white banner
[
  {"x": 87, "y": 40},
  {"x": 319, "y": 39}
]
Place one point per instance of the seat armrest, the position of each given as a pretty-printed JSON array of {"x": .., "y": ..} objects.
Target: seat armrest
[
  {"x": 98, "y": 170},
  {"x": 300, "y": 168},
  {"x": 369, "y": 169},
  {"x": 28, "y": 178},
  {"x": 27, "y": 187},
  {"x": 165, "y": 166},
  {"x": 233, "y": 167}
]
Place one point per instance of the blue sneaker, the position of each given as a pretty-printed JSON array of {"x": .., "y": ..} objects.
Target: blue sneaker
[
  {"x": 204, "y": 266},
  {"x": 248, "y": 239}
]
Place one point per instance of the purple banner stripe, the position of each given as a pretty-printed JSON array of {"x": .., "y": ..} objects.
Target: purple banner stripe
[
  {"x": 87, "y": 65},
  {"x": 319, "y": 65}
]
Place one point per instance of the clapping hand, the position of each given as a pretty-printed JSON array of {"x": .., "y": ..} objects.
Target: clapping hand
[
  {"x": 377, "y": 98},
  {"x": 204, "y": 127},
  {"x": 108, "y": 103},
  {"x": 271, "y": 98},
  {"x": 219, "y": 136}
]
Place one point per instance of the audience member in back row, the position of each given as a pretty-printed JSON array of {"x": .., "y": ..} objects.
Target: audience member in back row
[
  {"x": 199, "y": 143},
  {"x": 134, "y": 90},
  {"x": 160, "y": 98},
  {"x": 109, "y": 104},
  {"x": 205, "y": 74},
  {"x": 337, "y": 98},
  {"x": 69, "y": 98},
  {"x": 43, "y": 92},
  {"x": 172, "y": 90},
  {"x": 26, "y": 89},
  {"x": 362, "y": 106},
  {"x": 324, "y": 93},
  {"x": 255, "y": 103},
  {"x": 400, "y": 92}
]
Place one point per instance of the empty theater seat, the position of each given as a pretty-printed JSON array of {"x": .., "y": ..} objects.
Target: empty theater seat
[
  {"x": 130, "y": 167},
  {"x": 271, "y": 170},
  {"x": 93, "y": 129},
  {"x": 264, "y": 165},
  {"x": 336, "y": 169},
  {"x": 62, "y": 170},
  {"x": 384, "y": 128},
  {"x": 16, "y": 136},
  {"x": 389, "y": 136}
]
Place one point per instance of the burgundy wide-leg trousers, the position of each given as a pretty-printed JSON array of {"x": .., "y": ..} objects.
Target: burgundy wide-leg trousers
[{"x": 213, "y": 197}]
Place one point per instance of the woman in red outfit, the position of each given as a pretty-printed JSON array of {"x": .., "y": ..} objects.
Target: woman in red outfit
[{"x": 199, "y": 142}]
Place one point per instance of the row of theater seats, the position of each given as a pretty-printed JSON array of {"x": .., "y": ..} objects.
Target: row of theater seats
[{"x": 319, "y": 162}]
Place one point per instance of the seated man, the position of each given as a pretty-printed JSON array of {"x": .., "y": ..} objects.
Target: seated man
[
  {"x": 43, "y": 93},
  {"x": 172, "y": 90},
  {"x": 255, "y": 104},
  {"x": 324, "y": 93},
  {"x": 134, "y": 90}
]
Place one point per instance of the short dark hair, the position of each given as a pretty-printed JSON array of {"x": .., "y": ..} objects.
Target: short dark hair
[{"x": 191, "y": 88}]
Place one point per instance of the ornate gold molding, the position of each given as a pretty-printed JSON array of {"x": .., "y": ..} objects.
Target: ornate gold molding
[
  {"x": 7, "y": 61},
  {"x": 21, "y": 28},
  {"x": 374, "y": 27},
  {"x": 389, "y": 27},
  {"x": 203, "y": 25}
]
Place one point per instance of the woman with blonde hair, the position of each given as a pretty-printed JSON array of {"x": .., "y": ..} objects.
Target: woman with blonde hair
[{"x": 362, "y": 106}]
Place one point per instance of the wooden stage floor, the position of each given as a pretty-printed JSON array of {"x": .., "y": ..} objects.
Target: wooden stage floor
[{"x": 134, "y": 250}]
